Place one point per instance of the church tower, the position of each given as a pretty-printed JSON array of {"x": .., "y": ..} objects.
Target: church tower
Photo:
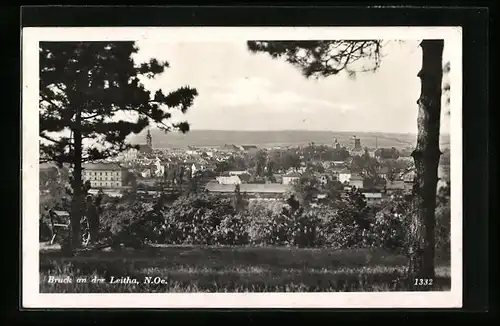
[
  {"x": 336, "y": 144},
  {"x": 149, "y": 139}
]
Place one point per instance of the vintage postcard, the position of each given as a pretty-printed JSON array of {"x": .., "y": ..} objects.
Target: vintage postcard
[{"x": 218, "y": 167}]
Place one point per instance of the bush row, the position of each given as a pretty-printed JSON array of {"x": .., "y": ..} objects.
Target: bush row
[{"x": 205, "y": 220}]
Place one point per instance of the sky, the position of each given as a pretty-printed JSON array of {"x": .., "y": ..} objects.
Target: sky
[{"x": 240, "y": 90}]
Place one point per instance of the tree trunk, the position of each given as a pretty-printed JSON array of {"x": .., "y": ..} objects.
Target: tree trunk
[
  {"x": 78, "y": 193},
  {"x": 426, "y": 156}
]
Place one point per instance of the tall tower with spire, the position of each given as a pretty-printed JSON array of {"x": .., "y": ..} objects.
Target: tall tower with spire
[
  {"x": 149, "y": 139},
  {"x": 336, "y": 143}
]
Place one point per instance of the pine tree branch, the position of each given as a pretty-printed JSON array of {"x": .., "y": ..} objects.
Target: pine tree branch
[
  {"x": 160, "y": 122},
  {"x": 46, "y": 99},
  {"x": 55, "y": 141},
  {"x": 94, "y": 115}
]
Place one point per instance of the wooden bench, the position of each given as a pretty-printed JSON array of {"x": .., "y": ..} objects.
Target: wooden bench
[{"x": 60, "y": 220}]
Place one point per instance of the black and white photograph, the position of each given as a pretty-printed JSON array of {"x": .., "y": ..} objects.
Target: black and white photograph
[{"x": 242, "y": 167}]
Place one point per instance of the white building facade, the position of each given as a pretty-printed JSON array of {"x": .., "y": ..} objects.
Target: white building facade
[{"x": 104, "y": 175}]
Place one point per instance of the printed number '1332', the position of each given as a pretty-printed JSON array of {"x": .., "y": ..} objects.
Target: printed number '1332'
[{"x": 423, "y": 281}]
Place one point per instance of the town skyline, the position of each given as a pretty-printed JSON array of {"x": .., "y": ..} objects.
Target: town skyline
[
  {"x": 272, "y": 138},
  {"x": 144, "y": 132}
]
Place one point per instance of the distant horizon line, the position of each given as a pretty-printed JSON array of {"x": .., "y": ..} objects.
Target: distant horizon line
[{"x": 309, "y": 130}]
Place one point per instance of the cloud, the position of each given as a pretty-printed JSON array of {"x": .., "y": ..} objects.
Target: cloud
[
  {"x": 260, "y": 92},
  {"x": 237, "y": 88}
]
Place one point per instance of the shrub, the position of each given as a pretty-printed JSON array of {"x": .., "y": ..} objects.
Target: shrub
[
  {"x": 195, "y": 219},
  {"x": 276, "y": 230},
  {"x": 258, "y": 217},
  {"x": 329, "y": 222},
  {"x": 131, "y": 223},
  {"x": 233, "y": 230},
  {"x": 443, "y": 231},
  {"x": 443, "y": 222},
  {"x": 340, "y": 235},
  {"x": 257, "y": 208},
  {"x": 118, "y": 216},
  {"x": 44, "y": 230},
  {"x": 202, "y": 219},
  {"x": 390, "y": 231},
  {"x": 307, "y": 229},
  {"x": 348, "y": 225},
  {"x": 390, "y": 227},
  {"x": 273, "y": 227}
]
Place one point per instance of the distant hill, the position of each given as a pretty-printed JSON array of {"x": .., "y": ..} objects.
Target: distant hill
[{"x": 216, "y": 138}]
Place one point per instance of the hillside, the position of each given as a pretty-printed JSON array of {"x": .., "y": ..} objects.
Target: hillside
[{"x": 215, "y": 138}]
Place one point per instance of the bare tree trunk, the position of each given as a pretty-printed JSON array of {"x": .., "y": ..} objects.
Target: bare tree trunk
[
  {"x": 78, "y": 193},
  {"x": 426, "y": 156}
]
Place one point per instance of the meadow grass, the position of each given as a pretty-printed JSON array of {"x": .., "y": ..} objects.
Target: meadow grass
[{"x": 231, "y": 269}]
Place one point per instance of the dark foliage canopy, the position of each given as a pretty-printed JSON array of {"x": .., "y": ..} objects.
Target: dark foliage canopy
[
  {"x": 324, "y": 58},
  {"x": 83, "y": 85}
]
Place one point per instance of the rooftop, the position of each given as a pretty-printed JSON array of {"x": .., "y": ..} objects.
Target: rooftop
[
  {"x": 46, "y": 166},
  {"x": 50, "y": 165},
  {"x": 395, "y": 185},
  {"x": 230, "y": 146},
  {"x": 248, "y": 147},
  {"x": 249, "y": 188},
  {"x": 143, "y": 147},
  {"x": 409, "y": 176},
  {"x": 102, "y": 166},
  {"x": 372, "y": 195},
  {"x": 356, "y": 177},
  {"x": 236, "y": 172},
  {"x": 231, "y": 177}
]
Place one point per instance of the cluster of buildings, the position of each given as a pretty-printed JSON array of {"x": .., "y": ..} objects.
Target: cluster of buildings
[
  {"x": 151, "y": 167},
  {"x": 226, "y": 185}
]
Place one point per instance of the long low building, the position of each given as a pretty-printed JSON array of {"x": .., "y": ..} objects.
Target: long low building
[
  {"x": 108, "y": 192},
  {"x": 255, "y": 190}
]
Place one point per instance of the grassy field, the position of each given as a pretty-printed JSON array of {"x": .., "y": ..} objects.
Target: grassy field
[{"x": 244, "y": 269}]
